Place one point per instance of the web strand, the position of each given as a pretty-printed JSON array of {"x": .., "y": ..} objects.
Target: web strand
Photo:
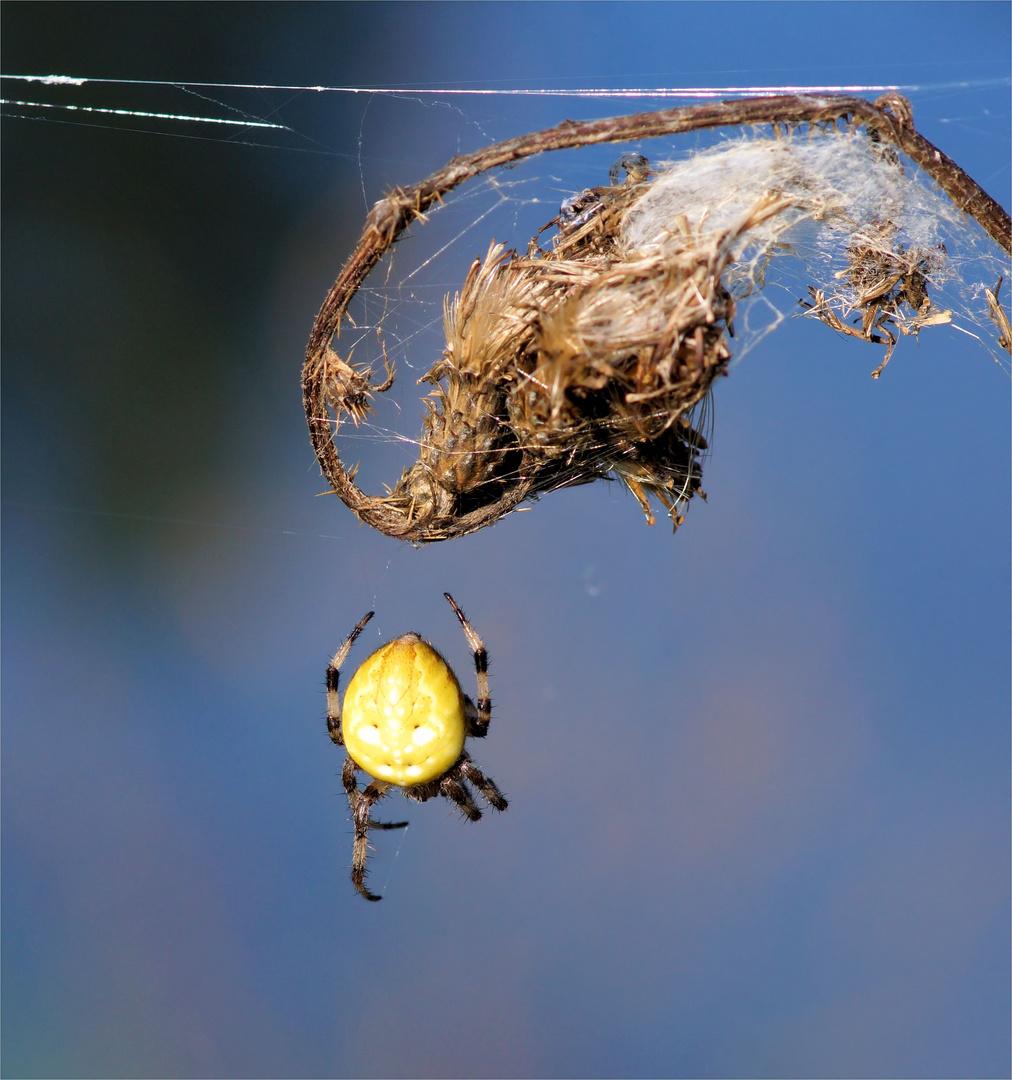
[{"x": 701, "y": 92}]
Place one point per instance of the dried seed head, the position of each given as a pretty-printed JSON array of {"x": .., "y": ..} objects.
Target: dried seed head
[{"x": 590, "y": 358}]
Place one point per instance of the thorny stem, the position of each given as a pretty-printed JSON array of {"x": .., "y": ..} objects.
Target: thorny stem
[{"x": 890, "y": 118}]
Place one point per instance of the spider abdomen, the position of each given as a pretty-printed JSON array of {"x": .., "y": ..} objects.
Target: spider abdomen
[{"x": 404, "y": 718}]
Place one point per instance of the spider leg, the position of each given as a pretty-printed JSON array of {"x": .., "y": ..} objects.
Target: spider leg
[
  {"x": 478, "y": 720},
  {"x": 477, "y": 726},
  {"x": 350, "y": 782},
  {"x": 452, "y": 786},
  {"x": 370, "y": 794},
  {"x": 361, "y": 803},
  {"x": 469, "y": 771},
  {"x": 333, "y": 676},
  {"x": 422, "y": 792}
]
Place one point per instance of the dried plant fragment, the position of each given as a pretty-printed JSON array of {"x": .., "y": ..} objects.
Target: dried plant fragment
[
  {"x": 999, "y": 316},
  {"x": 573, "y": 363},
  {"x": 591, "y": 356}
]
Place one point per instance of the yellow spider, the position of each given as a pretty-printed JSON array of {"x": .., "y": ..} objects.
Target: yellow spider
[{"x": 404, "y": 723}]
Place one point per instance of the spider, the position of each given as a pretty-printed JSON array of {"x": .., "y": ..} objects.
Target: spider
[{"x": 404, "y": 724}]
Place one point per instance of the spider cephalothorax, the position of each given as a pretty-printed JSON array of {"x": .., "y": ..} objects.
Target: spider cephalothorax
[{"x": 404, "y": 723}]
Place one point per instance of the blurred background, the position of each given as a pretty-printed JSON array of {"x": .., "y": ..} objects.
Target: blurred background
[{"x": 758, "y": 771}]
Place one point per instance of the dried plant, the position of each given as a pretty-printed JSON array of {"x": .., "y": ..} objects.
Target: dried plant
[{"x": 589, "y": 358}]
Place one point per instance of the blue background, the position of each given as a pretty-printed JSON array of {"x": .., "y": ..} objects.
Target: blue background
[{"x": 758, "y": 771}]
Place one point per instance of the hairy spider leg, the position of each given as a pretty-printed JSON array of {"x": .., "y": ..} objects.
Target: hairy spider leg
[
  {"x": 362, "y": 804},
  {"x": 350, "y": 781},
  {"x": 469, "y": 771},
  {"x": 333, "y": 680},
  {"x": 452, "y": 786},
  {"x": 477, "y": 724},
  {"x": 463, "y": 772}
]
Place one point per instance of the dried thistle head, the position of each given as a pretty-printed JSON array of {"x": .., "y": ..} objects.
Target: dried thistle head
[
  {"x": 562, "y": 365},
  {"x": 588, "y": 358}
]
